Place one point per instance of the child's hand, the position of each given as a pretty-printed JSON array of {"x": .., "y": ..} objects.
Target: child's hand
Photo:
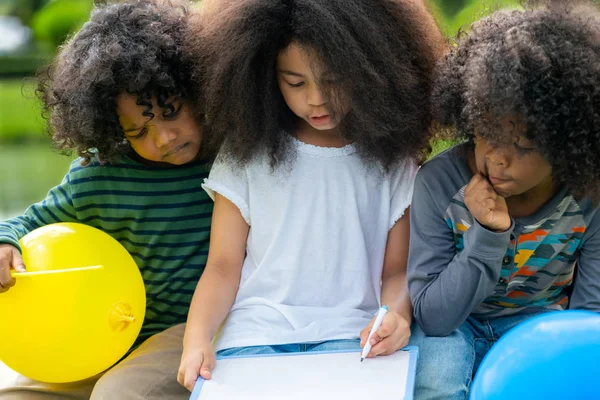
[
  {"x": 392, "y": 335},
  {"x": 10, "y": 259},
  {"x": 196, "y": 361},
  {"x": 487, "y": 206}
]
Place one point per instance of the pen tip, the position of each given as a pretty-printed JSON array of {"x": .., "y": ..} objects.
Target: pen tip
[{"x": 362, "y": 359}]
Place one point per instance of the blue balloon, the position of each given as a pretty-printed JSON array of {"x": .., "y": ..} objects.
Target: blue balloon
[{"x": 551, "y": 356}]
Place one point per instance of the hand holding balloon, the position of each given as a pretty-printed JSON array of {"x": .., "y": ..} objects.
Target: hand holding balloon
[
  {"x": 10, "y": 260},
  {"x": 76, "y": 310}
]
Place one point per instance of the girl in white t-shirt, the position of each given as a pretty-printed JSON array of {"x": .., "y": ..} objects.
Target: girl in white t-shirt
[{"x": 323, "y": 106}]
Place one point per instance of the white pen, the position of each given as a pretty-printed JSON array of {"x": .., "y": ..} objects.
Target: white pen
[{"x": 365, "y": 352}]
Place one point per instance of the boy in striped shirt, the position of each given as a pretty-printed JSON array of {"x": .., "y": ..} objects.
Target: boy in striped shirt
[{"x": 118, "y": 94}]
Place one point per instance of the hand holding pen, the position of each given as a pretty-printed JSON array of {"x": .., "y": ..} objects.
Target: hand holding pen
[{"x": 385, "y": 336}]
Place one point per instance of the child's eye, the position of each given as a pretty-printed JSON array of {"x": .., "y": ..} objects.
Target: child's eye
[
  {"x": 172, "y": 114},
  {"x": 141, "y": 134},
  {"x": 295, "y": 84},
  {"x": 523, "y": 150},
  {"x": 523, "y": 145}
]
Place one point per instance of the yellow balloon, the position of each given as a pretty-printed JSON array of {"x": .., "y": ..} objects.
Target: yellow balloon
[{"x": 77, "y": 309}]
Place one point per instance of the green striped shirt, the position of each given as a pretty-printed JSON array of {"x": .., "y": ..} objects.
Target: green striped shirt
[{"x": 160, "y": 215}]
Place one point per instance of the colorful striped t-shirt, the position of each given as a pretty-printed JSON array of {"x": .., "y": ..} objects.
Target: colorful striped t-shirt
[{"x": 457, "y": 268}]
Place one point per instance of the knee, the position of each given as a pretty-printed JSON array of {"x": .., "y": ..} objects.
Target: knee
[
  {"x": 110, "y": 386},
  {"x": 137, "y": 382},
  {"x": 444, "y": 366}
]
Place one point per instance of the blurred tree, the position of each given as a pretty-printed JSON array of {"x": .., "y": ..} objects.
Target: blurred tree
[
  {"x": 24, "y": 9},
  {"x": 456, "y": 15},
  {"x": 6, "y": 6},
  {"x": 57, "y": 19},
  {"x": 450, "y": 7}
]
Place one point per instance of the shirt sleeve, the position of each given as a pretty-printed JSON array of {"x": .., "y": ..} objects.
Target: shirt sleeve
[
  {"x": 56, "y": 207},
  {"x": 403, "y": 181},
  {"x": 231, "y": 182},
  {"x": 446, "y": 286},
  {"x": 586, "y": 289}
]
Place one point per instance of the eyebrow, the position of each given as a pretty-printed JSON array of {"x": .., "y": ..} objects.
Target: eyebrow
[{"x": 285, "y": 71}]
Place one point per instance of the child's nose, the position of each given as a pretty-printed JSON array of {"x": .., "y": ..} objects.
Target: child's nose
[
  {"x": 315, "y": 97},
  {"x": 164, "y": 136},
  {"x": 498, "y": 156}
]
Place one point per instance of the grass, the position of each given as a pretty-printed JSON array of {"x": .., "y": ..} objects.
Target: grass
[
  {"x": 29, "y": 165},
  {"x": 28, "y": 172},
  {"x": 20, "y": 115}
]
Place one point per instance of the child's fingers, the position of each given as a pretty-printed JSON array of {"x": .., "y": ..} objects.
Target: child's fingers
[
  {"x": 186, "y": 375},
  {"x": 208, "y": 365},
  {"x": 381, "y": 334},
  {"x": 386, "y": 329},
  {"x": 181, "y": 375},
  {"x": 381, "y": 348},
  {"x": 10, "y": 259},
  {"x": 486, "y": 206},
  {"x": 194, "y": 365},
  {"x": 390, "y": 344},
  {"x": 375, "y": 340},
  {"x": 364, "y": 334},
  {"x": 391, "y": 336},
  {"x": 190, "y": 378},
  {"x": 476, "y": 180},
  {"x": 480, "y": 188},
  {"x": 6, "y": 280},
  {"x": 17, "y": 261}
]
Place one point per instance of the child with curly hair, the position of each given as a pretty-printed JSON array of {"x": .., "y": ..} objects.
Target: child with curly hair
[
  {"x": 121, "y": 94},
  {"x": 324, "y": 109},
  {"x": 506, "y": 226}
]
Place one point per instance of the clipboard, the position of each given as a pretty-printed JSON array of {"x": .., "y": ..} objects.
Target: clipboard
[{"x": 310, "y": 375}]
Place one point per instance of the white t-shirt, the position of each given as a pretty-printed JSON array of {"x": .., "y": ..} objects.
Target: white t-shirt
[{"x": 316, "y": 244}]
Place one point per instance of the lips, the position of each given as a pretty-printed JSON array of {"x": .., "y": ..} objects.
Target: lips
[
  {"x": 320, "y": 119},
  {"x": 494, "y": 179},
  {"x": 175, "y": 150}
]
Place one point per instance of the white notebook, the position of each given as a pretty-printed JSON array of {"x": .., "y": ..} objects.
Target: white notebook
[{"x": 311, "y": 376}]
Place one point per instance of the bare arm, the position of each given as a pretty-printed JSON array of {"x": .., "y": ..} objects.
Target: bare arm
[
  {"x": 395, "y": 329},
  {"x": 394, "y": 292},
  {"x": 215, "y": 292}
]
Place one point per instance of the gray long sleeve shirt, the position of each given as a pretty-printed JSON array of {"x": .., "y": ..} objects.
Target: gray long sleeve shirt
[{"x": 458, "y": 268}]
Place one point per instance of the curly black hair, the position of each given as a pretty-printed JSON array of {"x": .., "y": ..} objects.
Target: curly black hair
[
  {"x": 540, "y": 65},
  {"x": 382, "y": 53},
  {"x": 135, "y": 46}
]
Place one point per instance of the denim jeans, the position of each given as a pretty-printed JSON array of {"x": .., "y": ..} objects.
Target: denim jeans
[
  {"x": 447, "y": 364},
  {"x": 330, "y": 345}
]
